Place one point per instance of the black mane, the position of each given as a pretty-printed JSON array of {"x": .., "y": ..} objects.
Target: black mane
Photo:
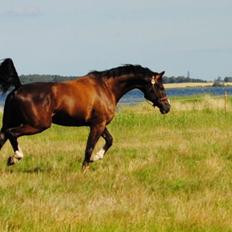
[{"x": 123, "y": 70}]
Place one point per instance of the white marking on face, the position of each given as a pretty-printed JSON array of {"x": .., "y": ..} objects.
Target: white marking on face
[
  {"x": 99, "y": 155},
  {"x": 18, "y": 154},
  {"x": 153, "y": 81}
]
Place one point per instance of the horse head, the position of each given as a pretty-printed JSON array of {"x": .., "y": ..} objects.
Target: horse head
[{"x": 155, "y": 92}]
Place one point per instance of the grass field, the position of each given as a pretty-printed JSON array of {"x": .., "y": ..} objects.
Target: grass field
[{"x": 164, "y": 173}]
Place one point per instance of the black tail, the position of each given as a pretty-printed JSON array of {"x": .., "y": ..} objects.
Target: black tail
[{"x": 8, "y": 75}]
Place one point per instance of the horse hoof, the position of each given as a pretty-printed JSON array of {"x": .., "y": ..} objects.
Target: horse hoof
[
  {"x": 85, "y": 168},
  {"x": 11, "y": 161}
]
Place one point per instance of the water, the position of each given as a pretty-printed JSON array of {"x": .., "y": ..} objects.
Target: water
[
  {"x": 199, "y": 91},
  {"x": 135, "y": 96},
  {"x": 2, "y": 99}
]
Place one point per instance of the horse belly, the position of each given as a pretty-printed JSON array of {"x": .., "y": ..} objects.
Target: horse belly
[{"x": 64, "y": 119}]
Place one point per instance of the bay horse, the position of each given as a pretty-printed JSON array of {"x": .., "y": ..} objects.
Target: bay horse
[{"x": 86, "y": 101}]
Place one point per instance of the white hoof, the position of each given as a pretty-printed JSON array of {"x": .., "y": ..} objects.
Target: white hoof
[
  {"x": 99, "y": 155},
  {"x": 18, "y": 154}
]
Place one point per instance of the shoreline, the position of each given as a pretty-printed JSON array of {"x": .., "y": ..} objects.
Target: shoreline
[{"x": 193, "y": 85}]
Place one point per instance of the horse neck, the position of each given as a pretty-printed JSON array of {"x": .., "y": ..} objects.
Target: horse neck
[{"x": 122, "y": 84}]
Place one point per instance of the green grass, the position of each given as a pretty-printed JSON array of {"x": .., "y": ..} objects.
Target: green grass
[{"x": 164, "y": 173}]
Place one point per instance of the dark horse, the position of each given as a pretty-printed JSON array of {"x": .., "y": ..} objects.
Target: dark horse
[{"x": 87, "y": 101}]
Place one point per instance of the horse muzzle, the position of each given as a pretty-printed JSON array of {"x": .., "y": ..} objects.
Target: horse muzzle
[
  {"x": 165, "y": 108},
  {"x": 163, "y": 105}
]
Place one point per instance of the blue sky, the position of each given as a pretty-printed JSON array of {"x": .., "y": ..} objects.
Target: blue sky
[{"x": 73, "y": 37}]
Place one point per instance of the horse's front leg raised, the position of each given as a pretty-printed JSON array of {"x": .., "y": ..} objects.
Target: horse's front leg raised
[
  {"x": 94, "y": 135},
  {"x": 109, "y": 141}
]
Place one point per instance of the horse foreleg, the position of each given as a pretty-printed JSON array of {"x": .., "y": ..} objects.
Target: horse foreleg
[
  {"x": 13, "y": 133},
  {"x": 95, "y": 133},
  {"x": 109, "y": 141}
]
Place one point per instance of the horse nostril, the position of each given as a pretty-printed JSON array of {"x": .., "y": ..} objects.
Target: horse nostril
[{"x": 166, "y": 107}]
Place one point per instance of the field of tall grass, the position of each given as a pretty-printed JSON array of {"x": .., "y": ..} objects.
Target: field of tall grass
[{"x": 164, "y": 173}]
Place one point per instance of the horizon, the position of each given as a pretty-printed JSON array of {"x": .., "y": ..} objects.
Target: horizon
[{"x": 68, "y": 76}]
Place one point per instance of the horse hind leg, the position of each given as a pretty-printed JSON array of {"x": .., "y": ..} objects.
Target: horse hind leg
[
  {"x": 3, "y": 139},
  {"x": 13, "y": 133}
]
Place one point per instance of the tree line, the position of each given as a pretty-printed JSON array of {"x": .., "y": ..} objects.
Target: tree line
[
  {"x": 44, "y": 78},
  {"x": 57, "y": 78},
  {"x": 225, "y": 79},
  {"x": 181, "y": 79}
]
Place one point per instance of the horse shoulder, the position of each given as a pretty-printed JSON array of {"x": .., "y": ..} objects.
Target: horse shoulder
[
  {"x": 84, "y": 98},
  {"x": 104, "y": 104}
]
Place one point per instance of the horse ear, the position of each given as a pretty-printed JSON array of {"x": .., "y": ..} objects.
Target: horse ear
[
  {"x": 159, "y": 76},
  {"x": 162, "y": 73}
]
